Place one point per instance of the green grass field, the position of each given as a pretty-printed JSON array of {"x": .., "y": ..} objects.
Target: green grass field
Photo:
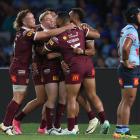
[{"x": 31, "y": 134}]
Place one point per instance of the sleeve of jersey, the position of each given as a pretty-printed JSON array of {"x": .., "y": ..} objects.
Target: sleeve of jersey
[
  {"x": 30, "y": 35},
  {"x": 132, "y": 35},
  {"x": 52, "y": 44}
]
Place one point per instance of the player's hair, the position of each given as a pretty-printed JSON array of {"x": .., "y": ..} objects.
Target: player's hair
[
  {"x": 18, "y": 23},
  {"x": 41, "y": 17},
  {"x": 131, "y": 15},
  {"x": 64, "y": 16},
  {"x": 46, "y": 12},
  {"x": 80, "y": 12},
  {"x": 50, "y": 9}
]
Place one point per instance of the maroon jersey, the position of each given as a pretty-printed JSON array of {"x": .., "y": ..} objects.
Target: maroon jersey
[
  {"x": 37, "y": 49},
  {"x": 37, "y": 55},
  {"x": 67, "y": 41},
  {"x": 23, "y": 46},
  {"x": 19, "y": 68},
  {"x": 46, "y": 70},
  {"x": 81, "y": 66}
]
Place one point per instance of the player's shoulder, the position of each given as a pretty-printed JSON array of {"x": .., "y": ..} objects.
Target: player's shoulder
[
  {"x": 78, "y": 30},
  {"x": 129, "y": 28},
  {"x": 19, "y": 32},
  {"x": 28, "y": 33},
  {"x": 53, "y": 41},
  {"x": 130, "y": 31}
]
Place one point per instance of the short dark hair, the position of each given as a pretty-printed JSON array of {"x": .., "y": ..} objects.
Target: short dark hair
[
  {"x": 80, "y": 12},
  {"x": 18, "y": 23},
  {"x": 131, "y": 15},
  {"x": 64, "y": 16}
]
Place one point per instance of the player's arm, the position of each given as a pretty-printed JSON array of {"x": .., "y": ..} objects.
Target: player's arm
[
  {"x": 50, "y": 54},
  {"x": 42, "y": 35},
  {"x": 89, "y": 51},
  {"x": 126, "y": 51},
  {"x": 91, "y": 33},
  {"x": 51, "y": 45},
  {"x": 90, "y": 48}
]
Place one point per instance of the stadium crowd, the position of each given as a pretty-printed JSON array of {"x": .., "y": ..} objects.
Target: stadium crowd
[{"x": 104, "y": 15}]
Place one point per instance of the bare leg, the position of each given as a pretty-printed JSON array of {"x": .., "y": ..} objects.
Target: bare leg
[
  {"x": 52, "y": 94},
  {"x": 128, "y": 98},
  {"x": 61, "y": 105},
  {"x": 90, "y": 87},
  {"x": 72, "y": 92},
  {"x": 38, "y": 101}
]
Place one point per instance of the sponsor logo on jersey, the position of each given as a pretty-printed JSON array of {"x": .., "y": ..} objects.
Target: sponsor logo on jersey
[
  {"x": 55, "y": 77},
  {"x": 73, "y": 40},
  {"x": 21, "y": 72},
  {"x": 50, "y": 42},
  {"x": 65, "y": 38},
  {"x": 120, "y": 81},
  {"x": 136, "y": 81},
  {"x": 73, "y": 35},
  {"x": 29, "y": 33},
  {"x": 75, "y": 77},
  {"x": 13, "y": 78},
  {"x": 93, "y": 72}
]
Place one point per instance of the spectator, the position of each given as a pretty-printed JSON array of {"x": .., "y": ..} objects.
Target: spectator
[{"x": 105, "y": 15}]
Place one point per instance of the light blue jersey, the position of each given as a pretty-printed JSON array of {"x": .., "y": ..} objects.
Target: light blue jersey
[{"x": 131, "y": 32}]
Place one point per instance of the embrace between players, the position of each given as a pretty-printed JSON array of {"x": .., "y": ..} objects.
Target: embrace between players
[
  {"x": 61, "y": 40},
  {"x": 60, "y": 50}
]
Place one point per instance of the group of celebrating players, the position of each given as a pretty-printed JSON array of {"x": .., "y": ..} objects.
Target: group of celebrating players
[
  {"x": 60, "y": 51},
  {"x": 60, "y": 40}
]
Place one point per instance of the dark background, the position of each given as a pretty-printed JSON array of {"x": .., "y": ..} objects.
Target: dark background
[
  {"x": 104, "y": 15},
  {"x": 107, "y": 88}
]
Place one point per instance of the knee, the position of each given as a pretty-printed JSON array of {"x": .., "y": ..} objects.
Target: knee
[
  {"x": 92, "y": 95},
  {"x": 130, "y": 100},
  {"x": 18, "y": 99},
  {"x": 62, "y": 100}
]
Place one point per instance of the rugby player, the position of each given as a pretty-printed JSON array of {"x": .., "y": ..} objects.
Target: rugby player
[
  {"x": 128, "y": 71},
  {"x": 46, "y": 76},
  {"x": 81, "y": 68},
  {"x": 76, "y": 16},
  {"x": 19, "y": 68}
]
